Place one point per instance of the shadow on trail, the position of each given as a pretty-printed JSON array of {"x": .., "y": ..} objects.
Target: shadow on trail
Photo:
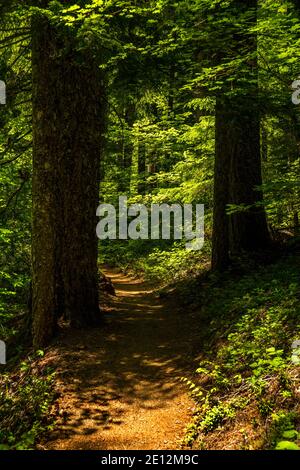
[{"x": 127, "y": 374}]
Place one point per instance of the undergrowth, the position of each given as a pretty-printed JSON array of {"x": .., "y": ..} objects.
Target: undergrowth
[
  {"x": 26, "y": 397},
  {"x": 158, "y": 261},
  {"x": 247, "y": 384}
]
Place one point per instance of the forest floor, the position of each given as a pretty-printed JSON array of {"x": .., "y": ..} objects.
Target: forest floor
[{"x": 119, "y": 386}]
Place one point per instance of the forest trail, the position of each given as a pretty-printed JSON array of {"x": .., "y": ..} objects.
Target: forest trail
[{"x": 120, "y": 385}]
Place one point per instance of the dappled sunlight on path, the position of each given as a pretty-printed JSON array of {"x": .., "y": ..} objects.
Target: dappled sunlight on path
[{"x": 120, "y": 385}]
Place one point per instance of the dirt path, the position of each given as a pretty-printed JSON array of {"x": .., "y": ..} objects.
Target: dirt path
[{"x": 120, "y": 385}]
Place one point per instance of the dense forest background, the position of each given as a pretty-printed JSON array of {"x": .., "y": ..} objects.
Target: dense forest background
[{"x": 162, "y": 102}]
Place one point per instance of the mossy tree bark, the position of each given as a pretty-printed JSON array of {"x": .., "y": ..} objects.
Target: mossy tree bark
[{"x": 67, "y": 136}]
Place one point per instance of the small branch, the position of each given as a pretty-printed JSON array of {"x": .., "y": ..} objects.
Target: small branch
[
  {"x": 8, "y": 30},
  {"x": 22, "y": 53},
  {"x": 11, "y": 160},
  {"x": 15, "y": 36},
  {"x": 12, "y": 196},
  {"x": 10, "y": 143},
  {"x": 5, "y": 45}
]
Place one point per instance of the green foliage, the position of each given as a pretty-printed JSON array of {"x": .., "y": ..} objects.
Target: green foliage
[
  {"x": 216, "y": 416},
  {"x": 283, "y": 432},
  {"x": 253, "y": 321},
  {"x": 165, "y": 119},
  {"x": 25, "y": 400},
  {"x": 168, "y": 265},
  {"x": 165, "y": 64},
  {"x": 287, "y": 445}
]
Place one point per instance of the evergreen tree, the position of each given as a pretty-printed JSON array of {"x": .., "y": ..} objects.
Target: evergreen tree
[
  {"x": 67, "y": 137},
  {"x": 238, "y": 179}
]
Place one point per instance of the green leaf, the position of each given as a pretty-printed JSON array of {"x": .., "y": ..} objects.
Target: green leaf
[{"x": 287, "y": 445}]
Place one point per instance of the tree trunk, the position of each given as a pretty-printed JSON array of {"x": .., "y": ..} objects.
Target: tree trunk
[
  {"x": 247, "y": 228},
  {"x": 141, "y": 167},
  {"x": 238, "y": 163},
  {"x": 220, "y": 238},
  {"x": 127, "y": 148},
  {"x": 67, "y": 123}
]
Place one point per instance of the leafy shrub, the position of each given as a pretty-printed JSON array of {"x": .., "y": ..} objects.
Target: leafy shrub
[
  {"x": 25, "y": 400},
  {"x": 251, "y": 325}
]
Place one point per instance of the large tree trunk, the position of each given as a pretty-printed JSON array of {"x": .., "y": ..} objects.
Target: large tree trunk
[
  {"x": 220, "y": 239},
  {"x": 47, "y": 212},
  {"x": 67, "y": 124},
  {"x": 238, "y": 162},
  {"x": 247, "y": 228}
]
